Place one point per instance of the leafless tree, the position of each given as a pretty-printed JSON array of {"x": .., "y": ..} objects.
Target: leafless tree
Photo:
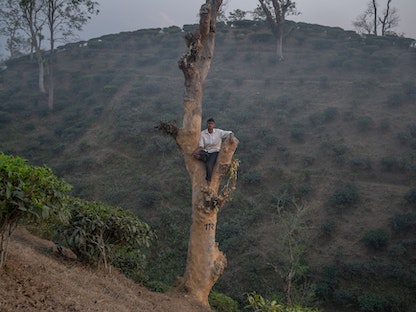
[
  {"x": 389, "y": 20},
  {"x": 369, "y": 22}
]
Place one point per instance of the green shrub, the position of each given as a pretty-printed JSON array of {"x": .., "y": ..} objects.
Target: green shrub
[
  {"x": 304, "y": 189},
  {"x": 404, "y": 137},
  {"x": 409, "y": 89},
  {"x": 383, "y": 57},
  {"x": 345, "y": 197},
  {"x": 364, "y": 123},
  {"x": 363, "y": 163},
  {"x": 403, "y": 223},
  {"x": 283, "y": 101},
  {"x": 317, "y": 118},
  {"x": 308, "y": 160},
  {"x": 339, "y": 150},
  {"x": 5, "y": 118},
  {"x": 328, "y": 228},
  {"x": 395, "y": 99},
  {"x": 410, "y": 196},
  {"x": 98, "y": 233},
  {"x": 328, "y": 281},
  {"x": 389, "y": 162},
  {"x": 376, "y": 239},
  {"x": 157, "y": 286},
  {"x": 27, "y": 192},
  {"x": 222, "y": 303},
  {"x": 252, "y": 178},
  {"x": 344, "y": 297},
  {"x": 131, "y": 262},
  {"x": 372, "y": 302},
  {"x": 384, "y": 124},
  {"x": 260, "y": 304},
  {"x": 330, "y": 113},
  {"x": 297, "y": 132}
]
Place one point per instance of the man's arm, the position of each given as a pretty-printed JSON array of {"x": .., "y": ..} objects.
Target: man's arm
[
  {"x": 227, "y": 134},
  {"x": 195, "y": 153},
  {"x": 231, "y": 136}
]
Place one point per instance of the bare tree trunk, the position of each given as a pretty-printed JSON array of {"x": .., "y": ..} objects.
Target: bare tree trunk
[
  {"x": 41, "y": 72},
  {"x": 205, "y": 263},
  {"x": 375, "y": 17},
  {"x": 51, "y": 88},
  {"x": 276, "y": 20},
  {"x": 280, "y": 31},
  {"x": 51, "y": 78},
  {"x": 52, "y": 9},
  {"x": 385, "y": 18}
]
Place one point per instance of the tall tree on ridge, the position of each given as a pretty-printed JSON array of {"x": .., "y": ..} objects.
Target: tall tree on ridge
[
  {"x": 33, "y": 24},
  {"x": 276, "y": 12},
  {"x": 370, "y": 21},
  {"x": 389, "y": 20},
  {"x": 63, "y": 17}
]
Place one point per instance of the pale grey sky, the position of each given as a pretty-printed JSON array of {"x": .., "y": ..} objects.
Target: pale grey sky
[{"x": 128, "y": 15}]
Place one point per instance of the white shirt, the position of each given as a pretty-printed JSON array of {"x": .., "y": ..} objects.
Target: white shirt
[{"x": 211, "y": 142}]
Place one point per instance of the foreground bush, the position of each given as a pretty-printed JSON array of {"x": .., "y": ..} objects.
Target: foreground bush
[
  {"x": 260, "y": 304},
  {"x": 26, "y": 192},
  {"x": 373, "y": 302},
  {"x": 222, "y": 303},
  {"x": 101, "y": 234}
]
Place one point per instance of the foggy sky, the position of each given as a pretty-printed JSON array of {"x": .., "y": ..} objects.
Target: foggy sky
[{"x": 129, "y": 15}]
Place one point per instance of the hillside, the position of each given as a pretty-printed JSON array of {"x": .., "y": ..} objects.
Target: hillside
[
  {"x": 37, "y": 278},
  {"x": 327, "y": 146}
]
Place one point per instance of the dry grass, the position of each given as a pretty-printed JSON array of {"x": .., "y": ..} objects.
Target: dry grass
[{"x": 36, "y": 278}]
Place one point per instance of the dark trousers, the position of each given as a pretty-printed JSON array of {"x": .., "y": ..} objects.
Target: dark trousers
[{"x": 209, "y": 164}]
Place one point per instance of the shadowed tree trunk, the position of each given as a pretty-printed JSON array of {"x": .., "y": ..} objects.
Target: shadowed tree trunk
[
  {"x": 375, "y": 17},
  {"x": 30, "y": 14},
  {"x": 205, "y": 262}
]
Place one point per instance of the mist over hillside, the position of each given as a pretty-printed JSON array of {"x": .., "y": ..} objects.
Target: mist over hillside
[{"x": 327, "y": 152}]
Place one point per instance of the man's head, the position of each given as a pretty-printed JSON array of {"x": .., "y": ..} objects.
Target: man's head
[{"x": 210, "y": 124}]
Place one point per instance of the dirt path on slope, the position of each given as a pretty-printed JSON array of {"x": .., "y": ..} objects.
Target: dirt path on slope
[{"x": 36, "y": 278}]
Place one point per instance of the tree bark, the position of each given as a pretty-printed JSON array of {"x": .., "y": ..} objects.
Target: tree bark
[
  {"x": 280, "y": 31},
  {"x": 30, "y": 15},
  {"x": 385, "y": 19},
  {"x": 52, "y": 58},
  {"x": 205, "y": 262},
  {"x": 375, "y": 17}
]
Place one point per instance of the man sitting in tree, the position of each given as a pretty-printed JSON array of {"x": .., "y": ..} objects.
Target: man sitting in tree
[{"x": 209, "y": 146}]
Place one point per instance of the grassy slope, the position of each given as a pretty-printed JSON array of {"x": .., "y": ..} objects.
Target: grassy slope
[{"x": 113, "y": 91}]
